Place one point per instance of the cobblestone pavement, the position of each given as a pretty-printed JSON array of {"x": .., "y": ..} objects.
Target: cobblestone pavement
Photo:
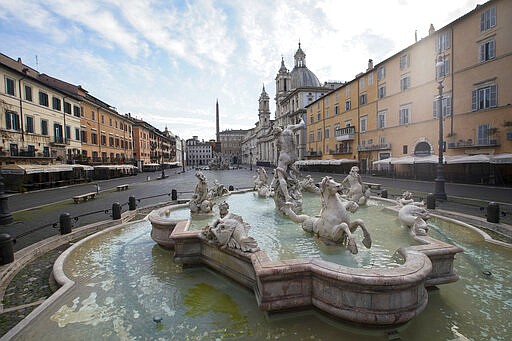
[{"x": 32, "y": 284}]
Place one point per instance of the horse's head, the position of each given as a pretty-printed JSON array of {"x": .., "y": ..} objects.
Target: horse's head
[{"x": 329, "y": 187}]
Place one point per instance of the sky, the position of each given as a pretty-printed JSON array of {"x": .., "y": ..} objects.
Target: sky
[{"x": 168, "y": 62}]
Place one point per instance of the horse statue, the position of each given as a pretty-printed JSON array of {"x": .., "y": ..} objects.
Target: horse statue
[
  {"x": 334, "y": 222},
  {"x": 415, "y": 218},
  {"x": 356, "y": 190}
]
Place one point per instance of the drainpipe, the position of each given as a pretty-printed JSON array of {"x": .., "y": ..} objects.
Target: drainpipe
[
  {"x": 21, "y": 106},
  {"x": 99, "y": 136},
  {"x": 452, "y": 81},
  {"x": 64, "y": 130}
]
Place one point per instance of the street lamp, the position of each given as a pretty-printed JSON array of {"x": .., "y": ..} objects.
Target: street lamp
[
  {"x": 439, "y": 192},
  {"x": 250, "y": 159}
]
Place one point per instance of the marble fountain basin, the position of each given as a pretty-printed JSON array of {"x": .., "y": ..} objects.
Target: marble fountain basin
[{"x": 386, "y": 294}]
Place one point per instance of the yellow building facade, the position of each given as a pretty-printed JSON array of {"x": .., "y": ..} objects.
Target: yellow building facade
[{"x": 391, "y": 110}]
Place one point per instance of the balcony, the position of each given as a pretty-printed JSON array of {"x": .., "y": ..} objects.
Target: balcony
[
  {"x": 346, "y": 150},
  {"x": 313, "y": 153},
  {"x": 345, "y": 134},
  {"x": 469, "y": 143},
  {"x": 59, "y": 141},
  {"x": 370, "y": 147}
]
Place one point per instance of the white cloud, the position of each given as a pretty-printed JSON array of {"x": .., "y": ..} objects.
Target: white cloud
[{"x": 169, "y": 61}]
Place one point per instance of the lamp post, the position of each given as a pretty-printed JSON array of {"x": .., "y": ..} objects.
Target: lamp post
[
  {"x": 439, "y": 191},
  {"x": 250, "y": 160}
]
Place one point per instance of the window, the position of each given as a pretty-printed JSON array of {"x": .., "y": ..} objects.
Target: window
[
  {"x": 382, "y": 91},
  {"x": 484, "y": 98},
  {"x": 77, "y": 134},
  {"x": 93, "y": 116},
  {"x": 488, "y": 19},
  {"x": 56, "y": 103},
  {"x": 318, "y": 116},
  {"x": 68, "y": 132},
  {"x": 443, "y": 41},
  {"x": 336, "y": 110},
  {"x": 327, "y": 132},
  {"x": 404, "y": 61},
  {"x": 362, "y": 124},
  {"x": 404, "y": 115},
  {"x": 361, "y": 83},
  {"x": 102, "y": 119},
  {"x": 117, "y": 142},
  {"x": 10, "y": 86},
  {"x": 444, "y": 69},
  {"x": 28, "y": 93},
  {"x": 12, "y": 120},
  {"x": 381, "y": 73},
  {"x": 348, "y": 123},
  {"x": 370, "y": 78},
  {"x": 319, "y": 135},
  {"x": 29, "y": 124},
  {"x": 327, "y": 113},
  {"x": 347, "y": 91},
  {"x": 404, "y": 149},
  {"x": 381, "y": 119},
  {"x": 103, "y": 140},
  {"x": 362, "y": 99},
  {"x": 311, "y": 119},
  {"x": 94, "y": 138},
  {"x": 13, "y": 148},
  {"x": 44, "y": 127},
  {"x": 347, "y": 105},
  {"x": 446, "y": 105},
  {"x": 43, "y": 98},
  {"x": 311, "y": 137},
  {"x": 83, "y": 136},
  {"x": 111, "y": 141},
  {"x": 67, "y": 108},
  {"x": 482, "y": 134},
  {"x": 76, "y": 111},
  {"x": 57, "y": 131},
  {"x": 405, "y": 83},
  {"x": 487, "y": 50},
  {"x": 110, "y": 121}
]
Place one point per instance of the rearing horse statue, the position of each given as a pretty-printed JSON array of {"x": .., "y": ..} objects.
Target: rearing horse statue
[{"x": 334, "y": 223}]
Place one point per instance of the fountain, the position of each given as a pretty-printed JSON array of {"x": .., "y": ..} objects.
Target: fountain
[
  {"x": 373, "y": 296},
  {"x": 118, "y": 284},
  {"x": 125, "y": 286}
]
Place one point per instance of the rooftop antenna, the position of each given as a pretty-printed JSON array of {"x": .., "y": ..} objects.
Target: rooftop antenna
[{"x": 37, "y": 63}]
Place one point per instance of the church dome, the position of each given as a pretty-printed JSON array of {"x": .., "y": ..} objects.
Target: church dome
[{"x": 301, "y": 76}]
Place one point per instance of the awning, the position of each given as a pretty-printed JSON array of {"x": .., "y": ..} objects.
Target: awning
[
  {"x": 502, "y": 158},
  {"x": 479, "y": 158},
  {"x": 33, "y": 169},
  {"x": 336, "y": 162},
  {"x": 115, "y": 167}
]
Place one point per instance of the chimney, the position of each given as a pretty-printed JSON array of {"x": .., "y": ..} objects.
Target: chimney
[
  {"x": 19, "y": 60},
  {"x": 415, "y": 36},
  {"x": 370, "y": 64}
]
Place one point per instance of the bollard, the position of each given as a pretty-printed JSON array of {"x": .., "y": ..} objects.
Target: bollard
[
  {"x": 431, "y": 201},
  {"x": 65, "y": 223},
  {"x": 132, "y": 204},
  {"x": 384, "y": 193},
  {"x": 116, "y": 211},
  {"x": 231, "y": 188},
  {"x": 6, "y": 250},
  {"x": 493, "y": 212},
  {"x": 174, "y": 195}
]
